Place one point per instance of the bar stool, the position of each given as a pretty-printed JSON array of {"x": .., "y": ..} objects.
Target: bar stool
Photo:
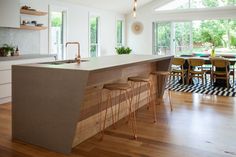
[
  {"x": 161, "y": 79},
  {"x": 121, "y": 88},
  {"x": 139, "y": 81}
]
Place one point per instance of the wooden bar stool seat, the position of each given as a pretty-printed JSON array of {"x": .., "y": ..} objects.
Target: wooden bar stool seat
[
  {"x": 161, "y": 79},
  {"x": 139, "y": 80},
  {"x": 117, "y": 86},
  {"x": 121, "y": 88},
  {"x": 166, "y": 73}
]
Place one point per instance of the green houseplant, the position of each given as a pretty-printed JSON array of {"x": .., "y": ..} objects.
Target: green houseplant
[
  {"x": 123, "y": 50},
  {"x": 6, "y": 50}
]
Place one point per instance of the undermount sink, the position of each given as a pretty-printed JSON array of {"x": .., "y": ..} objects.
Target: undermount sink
[{"x": 64, "y": 62}]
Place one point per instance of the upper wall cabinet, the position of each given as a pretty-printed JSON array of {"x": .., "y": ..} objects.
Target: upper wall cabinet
[{"x": 10, "y": 13}]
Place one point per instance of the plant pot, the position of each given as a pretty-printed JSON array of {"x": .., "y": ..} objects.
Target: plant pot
[{"x": 3, "y": 52}]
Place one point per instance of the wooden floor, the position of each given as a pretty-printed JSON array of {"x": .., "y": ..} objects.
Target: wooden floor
[{"x": 199, "y": 126}]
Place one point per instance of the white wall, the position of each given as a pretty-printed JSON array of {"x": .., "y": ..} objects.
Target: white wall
[
  {"x": 77, "y": 26},
  {"x": 142, "y": 43}
]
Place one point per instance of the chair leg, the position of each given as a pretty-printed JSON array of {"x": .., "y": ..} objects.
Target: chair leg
[
  {"x": 171, "y": 107},
  {"x": 188, "y": 79},
  {"x": 233, "y": 79},
  {"x": 227, "y": 81},
  {"x": 203, "y": 79}
]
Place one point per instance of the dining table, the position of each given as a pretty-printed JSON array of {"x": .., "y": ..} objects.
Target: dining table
[{"x": 207, "y": 62}]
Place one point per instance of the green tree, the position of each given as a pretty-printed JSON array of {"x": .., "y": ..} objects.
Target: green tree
[{"x": 56, "y": 19}]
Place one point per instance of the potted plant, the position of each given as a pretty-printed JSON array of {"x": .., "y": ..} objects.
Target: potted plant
[
  {"x": 6, "y": 50},
  {"x": 123, "y": 50}
]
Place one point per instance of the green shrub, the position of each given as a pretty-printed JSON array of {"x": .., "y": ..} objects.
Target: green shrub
[
  {"x": 123, "y": 50},
  {"x": 233, "y": 41}
]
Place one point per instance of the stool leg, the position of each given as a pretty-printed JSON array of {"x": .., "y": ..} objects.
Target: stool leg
[
  {"x": 118, "y": 115},
  {"x": 139, "y": 93},
  {"x": 158, "y": 90},
  {"x": 149, "y": 95},
  {"x": 100, "y": 111},
  {"x": 133, "y": 122},
  {"x": 112, "y": 112},
  {"x": 150, "y": 101},
  {"x": 104, "y": 123},
  {"x": 133, "y": 94}
]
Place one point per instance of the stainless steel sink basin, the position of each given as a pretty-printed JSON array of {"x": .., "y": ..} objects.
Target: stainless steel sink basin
[{"x": 64, "y": 62}]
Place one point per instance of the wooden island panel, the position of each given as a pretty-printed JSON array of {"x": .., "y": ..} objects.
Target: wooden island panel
[{"x": 92, "y": 110}]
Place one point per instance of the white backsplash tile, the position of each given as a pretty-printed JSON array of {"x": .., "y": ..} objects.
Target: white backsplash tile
[{"x": 28, "y": 41}]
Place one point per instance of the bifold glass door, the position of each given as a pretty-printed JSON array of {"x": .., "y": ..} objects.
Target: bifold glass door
[
  {"x": 172, "y": 38},
  {"x": 183, "y": 38},
  {"x": 162, "y": 38}
]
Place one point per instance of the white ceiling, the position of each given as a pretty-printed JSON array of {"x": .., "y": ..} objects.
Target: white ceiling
[{"x": 121, "y": 6}]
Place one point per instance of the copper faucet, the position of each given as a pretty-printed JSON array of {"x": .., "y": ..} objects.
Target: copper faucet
[{"x": 78, "y": 53}]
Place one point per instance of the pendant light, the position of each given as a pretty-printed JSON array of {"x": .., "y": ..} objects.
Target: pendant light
[{"x": 135, "y": 8}]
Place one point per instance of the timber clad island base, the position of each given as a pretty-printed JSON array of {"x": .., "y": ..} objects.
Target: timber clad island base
[{"x": 58, "y": 106}]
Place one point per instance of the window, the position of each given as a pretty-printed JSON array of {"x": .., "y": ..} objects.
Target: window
[
  {"x": 220, "y": 33},
  {"x": 176, "y": 4},
  {"x": 119, "y": 33},
  {"x": 57, "y": 32},
  {"x": 94, "y": 36},
  {"x": 186, "y": 4}
]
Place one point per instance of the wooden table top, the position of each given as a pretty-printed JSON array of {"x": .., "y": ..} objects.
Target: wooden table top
[{"x": 207, "y": 59}]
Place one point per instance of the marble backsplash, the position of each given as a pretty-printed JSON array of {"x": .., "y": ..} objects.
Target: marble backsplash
[{"x": 28, "y": 41}]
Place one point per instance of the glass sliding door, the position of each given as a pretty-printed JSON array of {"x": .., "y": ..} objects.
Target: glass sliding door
[{"x": 162, "y": 38}]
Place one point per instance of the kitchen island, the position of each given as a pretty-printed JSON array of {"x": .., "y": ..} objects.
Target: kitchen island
[{"x": 57, "y": 105}]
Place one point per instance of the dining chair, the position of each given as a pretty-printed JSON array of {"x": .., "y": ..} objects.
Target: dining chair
[
  {"x": 220, "y": 63},
  {"x": 178, "y": 68},
  {"x": 195, "y": 69},
  {"x": 232, "y": 72},
  {"x": 232, "y": 66}
]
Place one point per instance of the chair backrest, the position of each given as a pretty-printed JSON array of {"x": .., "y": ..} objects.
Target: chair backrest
[
  {"x": 220, "y": 63},
  {"x": 178, "y": 61},
  {"x": 196, "y": 62}
]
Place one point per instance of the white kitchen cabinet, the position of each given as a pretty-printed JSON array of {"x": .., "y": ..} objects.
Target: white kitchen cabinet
[
  {"x": 5, "y": 75},
  {"x": 10, "y": 13},
  {"x": 5, "y": 90}
]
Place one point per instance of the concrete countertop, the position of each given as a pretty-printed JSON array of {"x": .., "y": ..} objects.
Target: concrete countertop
[
  {"x": 26, "y": 56},
  {"x": 105, "y": 62}
]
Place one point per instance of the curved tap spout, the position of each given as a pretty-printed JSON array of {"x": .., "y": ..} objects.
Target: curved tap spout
[{"x": 78, "y": 53}]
